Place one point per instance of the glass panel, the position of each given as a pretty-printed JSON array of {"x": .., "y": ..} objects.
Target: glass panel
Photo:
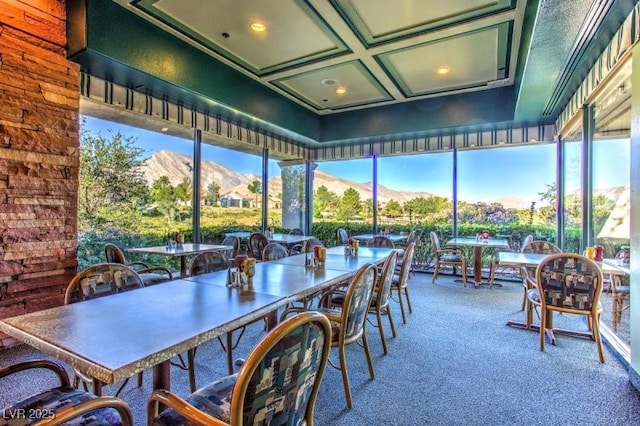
[
  {"x": 510, "y": 191},
  {"x": 290, "y": 187},
  {"x": 571, "y": 175},
  {"x": 231, "y": 184},
  {"x": 611, "y": 209},
  {"x": 135, "y": 190}
]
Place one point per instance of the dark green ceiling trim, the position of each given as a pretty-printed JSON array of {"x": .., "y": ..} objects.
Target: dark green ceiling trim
[
  {"x": 148, "y": 7},
  {"x": 505, "y": 31},
  {"x": 165, "y": 63},
  {"x": 528, "y": 23},
  {"x": 485, "y": 107},
  {"x": 351, "y": 17}
]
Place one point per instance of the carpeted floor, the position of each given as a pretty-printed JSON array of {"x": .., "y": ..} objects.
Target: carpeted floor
[{"x": 455, "y": 362}]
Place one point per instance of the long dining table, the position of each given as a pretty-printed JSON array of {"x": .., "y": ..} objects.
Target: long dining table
[
  {"x": 478, "y": 245},
  {"x": 112, "y": 338},
  {"x": 182, "y": 252}
]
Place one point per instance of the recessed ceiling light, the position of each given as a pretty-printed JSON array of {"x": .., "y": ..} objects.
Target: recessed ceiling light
[
  {"x": 258, "y": 26},
  {"x": 340, "y": 90},
  {"x": 164, "y": 129},
  {"x": 328, "y": 81},
  {"x": 444, "y": 70}
]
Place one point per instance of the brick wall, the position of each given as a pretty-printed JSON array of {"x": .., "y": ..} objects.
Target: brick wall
[{"x": 39, "y": 107}]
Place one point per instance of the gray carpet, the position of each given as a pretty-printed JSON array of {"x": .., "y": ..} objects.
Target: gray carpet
[{"x": 454, "y": 363}]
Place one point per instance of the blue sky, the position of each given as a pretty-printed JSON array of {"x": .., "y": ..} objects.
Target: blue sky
[{"x": 483, "y": 174}]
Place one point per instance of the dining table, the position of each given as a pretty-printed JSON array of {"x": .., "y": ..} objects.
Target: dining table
[
  {"x": 115, "y": 337},
  {"x": 478, "y": 244},
  {"x": 287, "y": 240},
  {"x": 532, "y": 260},
  {"x": 395, "y": 238},
  {"x": 182, "y": 252}
]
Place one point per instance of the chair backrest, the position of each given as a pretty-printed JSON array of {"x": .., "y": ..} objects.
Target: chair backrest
[
  {"x": 541, "y": 247},
  {"x": 235, "y": 243},
  {"x": 405, "y": 267},
  {"x": 208, "y": 261},
  {"x": 101, "y": 280},
  {"x": 296, "y": 231},
  {"x": 308, "y": 245},
  {"x": 257, "y": 242},
  {"x": 526, "y": 242},
  {"x": 569, "y": 281},
  {"x": 281, "y": 376},
  {"x": 380, "y": 241},
  {"x": 274, "y": 251},
  {"x": 343, "y": 236},
  {"x": 386, "y": 279},
  {"x": 356, "y": 303},
  {"x": 413, "y": 237},
  {"x": 113, "y": 254},
  {"x": 435, "y": 242}
]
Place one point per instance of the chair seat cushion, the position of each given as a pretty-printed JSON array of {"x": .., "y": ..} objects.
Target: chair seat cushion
[
  {"x": 54, "y": 400},
  {"x": 450, "y": 258},
  {"x": 213, "y": 399},
  {"x": 150, "y": 278}
]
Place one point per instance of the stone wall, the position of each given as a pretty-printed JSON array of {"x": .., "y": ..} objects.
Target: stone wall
[{"x": 39, "y": 140}]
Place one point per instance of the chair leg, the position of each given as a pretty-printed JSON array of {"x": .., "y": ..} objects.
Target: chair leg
[
  {"x": 435, "y": 271},
  {"x": 406, "y": 294},
  {"x": 383, "y": 339},
  {"x": 365, "y": 345},
  {"x": 464, "y": 273},
  {"x": 597, "y": 338},
  {"x": 524, "y": 298},
  {"x": 404, "y": 317},
  {"x": 390, "y": 316},
  {"x": 492, "y": 273},
  {"x": 543, "y": 324},
  {"x": 345, "y": 377}
]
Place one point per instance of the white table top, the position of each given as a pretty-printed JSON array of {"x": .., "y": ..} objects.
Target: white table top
[
  {"x": 473, "y": 241},
  {"x": 185, "y": 250}
]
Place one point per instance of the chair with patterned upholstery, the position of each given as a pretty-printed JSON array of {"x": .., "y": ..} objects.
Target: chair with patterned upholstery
[
  {"x": 308, "y": 245},
  {"x": 343, "y": 237},
  {"x": 150, "y": 274},
  {"x": 64, "y": 404},
  {"x": 97, "y": 281},
  {"x": 234, "y": 242},
  {"x": 274, "y": 251},
  {"x": 348, "y": 323},
  {"x": 380, "y": 241},
  {"x": 494, "y": 260},
  {"x": 278, "y": 383},
  {"x": 447, "y": 256},
  {"x": 257, "y": 242},
  {"x": 208, "y": 261},
  {"x": 568, "y": 283},
  {"x": 401, "y": 278},
  {"x": 538, "y": 247}
]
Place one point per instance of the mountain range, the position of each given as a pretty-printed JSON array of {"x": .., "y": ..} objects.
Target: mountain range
[{"x": 179, "y": 166}]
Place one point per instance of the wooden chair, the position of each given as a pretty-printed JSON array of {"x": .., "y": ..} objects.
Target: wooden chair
[
  {"x": 399, "y": 284},
  {"x": 539, "y": 247},
  {"x": 274, "y": 251},
  {"x": 380, "y": 241},
  {"x": 97, "y": 281},
  {"x": 150, "y": 274},
  {"x": 208, "y": 261},
  {"x": 64, "y": 404},
  {"x": 296, "y": 231},
  {"x": 257, "y": 242},
  {"x": 494, "y": 261},
  {"x": 235, "y": 243},
  {"x": 343, "y": 237},
  {"x": 296, "y": 248},
  {"x": 348, "y": 324},
  {"x": 279, "y": 381},
  {"x": 572, "y": 284},
  {"x": 308, "y": 245},
  {"x": 447, "y": 256}
]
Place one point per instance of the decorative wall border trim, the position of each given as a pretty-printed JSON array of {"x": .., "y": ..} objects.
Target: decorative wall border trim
[
  {"x": 621, "y": 43},
  {"x": 465, "y": 139},
  {"x": 227, "y": 132}
]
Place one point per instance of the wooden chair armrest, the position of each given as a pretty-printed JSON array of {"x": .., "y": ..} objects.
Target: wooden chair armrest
[
  {"x": 60, "y": 372},
  {"x": 73, "y": 411},
  {"x": 162, "y": 396},
  {"x": 138, "y": 264},
  {"x": 156, "y": 268}
]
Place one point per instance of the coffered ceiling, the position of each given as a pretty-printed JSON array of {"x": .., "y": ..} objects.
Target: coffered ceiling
[{"x": 378, "y": 51}]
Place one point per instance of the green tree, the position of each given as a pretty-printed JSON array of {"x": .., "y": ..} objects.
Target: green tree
[
  {"x": 432, "y": 208},
  {"x": 392, "y": 209},
  {"x": 112, "y": 188},
  {"x": 349, "y": 205},
  {"x": 164, "y": 195},
  {"x": 255, "y": 188},
  {"x": 324, "y": 201},
  {"x": 213, "y": 193},
  {"x": 184, "y": 190}
]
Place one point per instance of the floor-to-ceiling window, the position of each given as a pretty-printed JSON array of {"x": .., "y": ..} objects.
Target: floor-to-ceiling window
[{"x": 288, "y": 189}]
